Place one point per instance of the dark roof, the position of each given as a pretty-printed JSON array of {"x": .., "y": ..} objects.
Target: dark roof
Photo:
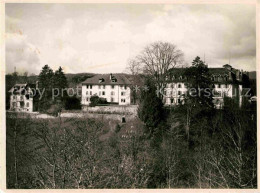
[
  {"x": 18, "y": 87},
  {"x": 120, "y": 79},
  {"x": 218, "y": 71}
]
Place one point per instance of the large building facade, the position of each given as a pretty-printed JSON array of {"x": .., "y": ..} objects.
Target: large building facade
[
  {"x": 21, "y": 98},
  {"x": 114, "y": 89},
  {"x": 227, "y": 81}
]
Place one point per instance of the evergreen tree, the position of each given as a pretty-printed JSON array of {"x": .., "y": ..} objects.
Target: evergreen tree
[
  {"x": 151, "y": 107},
  {"x": 198, "y": 101},
  {"x": 60, "y": 80},
  {"x": 60, "y": 83},
  {"x": 46, "y": 78},
  {"x": 45, "y": 85}
]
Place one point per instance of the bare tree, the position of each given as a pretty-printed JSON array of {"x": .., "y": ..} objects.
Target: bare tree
[
  {"x": 157, "y": 59},
  {"x": 133, "y": 67}
]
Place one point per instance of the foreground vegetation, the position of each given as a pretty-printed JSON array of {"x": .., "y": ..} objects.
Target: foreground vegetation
[{"x": 88, "y": 153}]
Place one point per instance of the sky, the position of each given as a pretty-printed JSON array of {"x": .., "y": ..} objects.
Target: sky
[{"x": 102, "y": 38}]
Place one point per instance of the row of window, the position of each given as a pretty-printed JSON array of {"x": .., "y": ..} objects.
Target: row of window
[
  {"x": 17, "y": 104},
  {"x": 104, "y": 93},
  {"x": 221, "y": 86},
  {"x": 104, "y": 87},
  {"x": 18, "y": 97},
  {"x": 171, "y": 92},
  {"x": 180, "y": 85},
  {"x": 175, "y": 85},
  {"x": 178, "y": 101},
  {"x": 111, "y": 100},
  {"x": 215, "y": 78}
]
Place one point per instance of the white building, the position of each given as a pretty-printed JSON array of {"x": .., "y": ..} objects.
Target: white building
[
  {"x": 114, "y": 88},
  {"x": 227, "y": 81},
  {"x": 21, "y": 98}
]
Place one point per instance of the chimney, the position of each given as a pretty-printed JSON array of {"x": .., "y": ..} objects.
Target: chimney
[
  {"x": 37, "y": 84},
  {"x": 238, "y": 74},
  {"x": 229, "y": 75},
  {"x": 110, "y": 76}
]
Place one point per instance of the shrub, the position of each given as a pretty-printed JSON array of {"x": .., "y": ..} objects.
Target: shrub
[
  {"x": 54, "y": 110},
  {"x": 95, "y": 100},
  {"x": 72, "y": 103},
  {"x": 117, "y": 129}
]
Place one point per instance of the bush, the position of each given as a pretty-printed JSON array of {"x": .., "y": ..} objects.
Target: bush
[
  {"x": 118, "y": 128},
  {"x": 72, "y": 103},
  {"x": 54, "y": 110},
  {"x": 95, "y": 100}
]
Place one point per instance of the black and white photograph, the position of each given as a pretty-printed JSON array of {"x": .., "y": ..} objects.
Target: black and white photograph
[{"x": 130, "y": 95}]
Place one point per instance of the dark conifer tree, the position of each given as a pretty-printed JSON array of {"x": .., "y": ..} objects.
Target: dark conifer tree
[{"x": 151, "y": 107}]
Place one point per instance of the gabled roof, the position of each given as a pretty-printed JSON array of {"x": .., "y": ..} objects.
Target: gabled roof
[
  {"x": 120, "y": 80},
  {"x": 18, "y": 88}
]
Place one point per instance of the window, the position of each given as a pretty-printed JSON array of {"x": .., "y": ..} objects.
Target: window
[
  {"x": 122, "y": 100},
  {"x": 87, "y": 86},
  {"x": 179, "y": 92},
  {"x": 90, "y": 92},
  {"x": 104, "y": 86},
  {"x": 14, "y": 97},
  {"x": 103, "y": 93},
  {"x": 27, "y": 104},
  {"x": 125, "y": 87},
  {"x": 173, "y": 85},
  {"x": 179, "y": 101},
  {"x": 226, "y": 85},
  {"x": 179, "y": 85},
  {"x": 122, "y": 93},
  {"x": 219, "y": 85},
  {"x": 86, "y": 99},
  {"x": 99, "y": 87},
  {"x": 86, "y": 92},
  {"x": 112, "y": 99},
  {"x": 90, "y": 86},
  {"x": 172, "y": 100},
  {"x": 112, "y": 93},
  {"x": 112, "y": 86}
]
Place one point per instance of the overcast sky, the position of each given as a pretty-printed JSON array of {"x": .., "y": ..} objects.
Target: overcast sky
[{"x": 101, "y": 38}]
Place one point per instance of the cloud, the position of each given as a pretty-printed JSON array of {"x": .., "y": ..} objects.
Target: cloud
[
  {"x": 21, "y": 54},
  {"x": 102, "y": 38}
]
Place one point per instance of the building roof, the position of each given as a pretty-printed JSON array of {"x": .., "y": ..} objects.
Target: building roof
[
  {"x": 18, "y": 88},
  {"x": 120, "y": 80},
  {"x": 218, "y": 71}
]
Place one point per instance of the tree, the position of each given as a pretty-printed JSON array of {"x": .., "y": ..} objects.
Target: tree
[
  {"x": 60, "y": 80},
  {"x": 46, "y": 78},
  {"x": 150, "y": 109},
  {"x": 156, "y": 59},
  {"x": 199, "y": 96},
  {"x": 45, "y": 85}
]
